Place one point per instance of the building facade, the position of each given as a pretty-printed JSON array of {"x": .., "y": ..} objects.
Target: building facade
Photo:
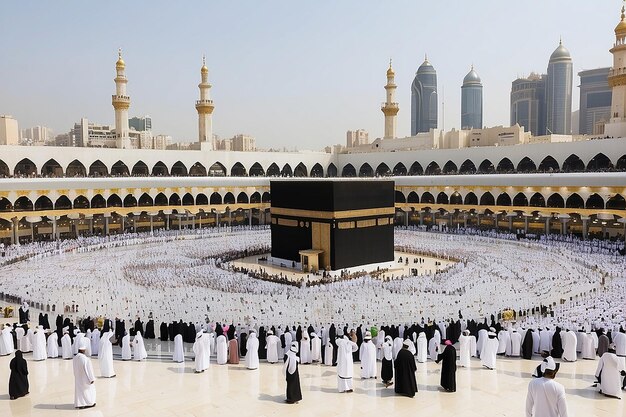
[
  {"x": 357, "y": 137},
  {"x": 140, "y": 124},
  {"x": 595, "y": 101},
  {"x": 424, "y": 101},
  {"x": 528, "y": 103},
  {"x": 472, "y": 101},
  {"x": 559, "y": 82},
  {"x": 243, "y": 143},
  {"x": 9, "y": 130}
]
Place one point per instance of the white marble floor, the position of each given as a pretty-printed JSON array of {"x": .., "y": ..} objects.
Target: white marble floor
[{"x": 158, "y": 387}]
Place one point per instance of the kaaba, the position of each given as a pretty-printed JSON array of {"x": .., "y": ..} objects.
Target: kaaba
[{"x": 332, "y": 224}]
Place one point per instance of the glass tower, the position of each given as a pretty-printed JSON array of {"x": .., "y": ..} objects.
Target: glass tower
[
  {"x": 472, "y": 101},
  {"x": 424, "y": 101},
  {"x": 559, "y": 92}
]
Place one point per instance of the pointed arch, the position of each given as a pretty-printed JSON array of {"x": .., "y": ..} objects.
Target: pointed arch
[
  {"x": 537, "y": 200},
  {"x": 161, "y": 200},
  {"x": 594, "y": 202},
  {"x": 81, "y": 202},
  {"x": 366, "y": 170},
  {"x": 286, "y": 171},
  {"x": 52, "y": 169},
  {"x": 140, "y": 169},
  {"x": 317, "y": 171},
  {"x": 427, "y": 198},
  {"x": 255, "y": 198},
  {"x": 273, "y": 170},
  {"x": 300, "y": 171},
  {"x": 573, "y": 164},
  {"x": 98, "y": 201},
  {"x": 63, "y": 203},
  {"x": 600, "y": 163},
  {"x": 238, "y": 170},
  {"x": 43, "y": 203},
  {"x": 145, "y": 200},
  {"x": 256, "y": 170},
  {"x": 617, "y": 202},
  {"x": 486, "y": 167},
  {"x": 456, "y": 198},
  {"x": 5, "y": 204},
  {"x": 25, "y": 167},
  {"x": 413, "y": 198},
  {"x": 504, "y": 200},
  {"x": 160, "y": 170},
  {"x": 331, "y": 172},
  {"x": 202, "y": 200},
  {"x": 467, "y": 167},
  {"x": 242, "y": 198},
  {"x": 450, "y": 168},
  {"x": 4, "y": 170},
  {"x": 399, "y": 169},
  {"x": 174, "y": 200},
  {"x": 549, "y": 164},
  {"x": 399, "y": 198},
  {"x": 217, "y": 170},
  {"x": 130, "y": 201},
  {"x": 215, "y": 199},
  {"x": 197, "y": 170},
  {"x": 555, "y": 201},
  {"x": 114, "y": 200},
  {"x": 179, "y": 169},
  {"x": 266, "y": 197},
  {"x": 487, "y": 199},
  {"x": 520, "y": 200},
  {"x": 432, "y": 169},
  {"x": 416, "y": 169},
  {"x": 382, "y": 170},
  {"x": 575, "y": 201},
  {"x": 471, "y": 199},
  {"x": 25, "y": 204},
  {"x": 505, "y": 166},
  {"x": 526, "y": 165},
  {"x": 620, "y": 165},
  {"x": 229, "y": 198},
  {"x": 188, "y": 200},
  {"x": 348, "y": 171},
  {"x": 119, "y": 169}
]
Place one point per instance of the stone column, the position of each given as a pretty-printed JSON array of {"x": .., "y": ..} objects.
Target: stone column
[
  {"x": 167, "y": 222},
  {"x": 547, "y": 225},
  {"x": 250, "y": 218},
  {"x": 123, "y": 223},
  {"x": 106, "y": 225},
  {"x": 563, "y": 226},
  {"x": 91, "y": 226},
  {"x": 151, "y": 225},
  {"x": 54, "y": 228},
  {"x": 421, "y": 218},
  {"x": 525, "y": 225},
  {"x": 510, "y": 224}
]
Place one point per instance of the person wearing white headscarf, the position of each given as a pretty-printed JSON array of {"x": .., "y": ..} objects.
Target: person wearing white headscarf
[
  {"x": 609, "y": 372},
  {"x": 6, "y": 341},
  {"x": 271, "y": 344},
  {"x": 201, "y": 352},
  {"x": 434, "y": 345},
  {"x": 490, "y": 350},
  {"x": 328, "y": 353},
  {"x": 367, "y": 356},
  {"x": 345, "y": 364},
  {"x": 514, "y": 345},
  {"x": 52, "y": 345},
  {"x": 78, "y": 337},
  {"x": 397, "y": 346},
  {"x": 66, "y": 344},
  {"x": 546, "y": 397},
  {"x": 26, "y": 342},
  {"x": 126, "y": 350},
  {"x": 84, "y": 379},
  {"x": 290, "y": 368},
  {"x": 39, "y": 345},
  {"x": 105, "y": 355},
  {"x": 95, "y": 341},
  {"x": 305, "y": 348},
  {"x": 221, "y": 349},
  {"x": 422, "y": 348},
  {"x": 569, "y": 346},
  {"x": 464, "y": 349},
  {"x": 252, "y": 354},
  {"x": 386, "y": 368},
  {"x": 316, "y": 348},
  {"x": 139, "y": 348},
  {"x": 179, "y": 351}
]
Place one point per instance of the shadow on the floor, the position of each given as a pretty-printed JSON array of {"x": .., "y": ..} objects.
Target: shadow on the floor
[
  {"x": 272, "y": 398},
  {"x": 586, "y": 393},
  {"x": 181, "y": 370},
  {"x": 54, "y": 406},
  {"x": 4, "y": 397}
]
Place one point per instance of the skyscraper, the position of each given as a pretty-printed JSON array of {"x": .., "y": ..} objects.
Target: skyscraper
[
  {"x": 424, "y": 101},
  {"x": 472, "y": 101},
  {"x": 559, "y": 92},
  {"x": 595, "y": 101},
  {"x": 528, "y": 103},
  {"x": 140, "y": 124}
]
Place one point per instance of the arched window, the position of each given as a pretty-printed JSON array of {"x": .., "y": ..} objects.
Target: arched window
[
  {"x": 548, "y": 164},
  {"x": 242, "y": 198},
  {"x": 114, "y": 201},
  {"x": 400, "y": 197},
  {"x": 505, "y": 166},
  {"x": 456, "y": 198},
  {"x": 63, "y": 203},
  {"x": 140, "y": 169},
  {"x": 255, "y": 198},
  {"x": 600, "y": 163},
  {"x": 331, "y": 171},
  {"x": 317, "y": 171},
  {"x": 238, "y": 170},
  {"x": 130, "y": 201},
  {"x": 526, "y": 165},
  {"x": 504, "y": 200},
  {"x": 256, "y": 170},
  {"x": 81, "y": 202},
  {"x": 487, "y": 199},
  {"x": 273, "y": 170},
  {"x": 188, "y": 200},
  {"x": 52, "y": 169},
  {"x": 202, "y": 200},
  {"x": 145, "y": 200},
  {"x": 217, "y": 170},
  {"x": 215, "y": 199},
  {"x": 174, "y": 200},
  {"x": 467, "y": 167},
  {"x": 413, "y": 198},
  {"x": 537, "y": 200},
  {"x": 119, "y": 169},
  {"x": 348, "y": 171},
  {"x": 4, "y": 170},
  {"x": 24, "y": 204},
  {"x": 266, "y": 197},
  {"x": 575, "y": 201},
  {"x": 595, "y": 202},
  {"x": 366, "y": 170},
  {"x": 25, "y": 168},
  {"x": 416, "y": 169},
  {"x": 161, "y": 200},
  {"x": 471, "y": 199},
  {"x": 555, "y": 201},
  {"x": 98, "y": 201},
  {"x": 616, "y": 202},
  {"x": 427, "y": 198},
  {"x": 520, "y": 200},
  {"x": 573, "y": 164},
  {"x": 433, "y": 169},
  {"x": 286, "y": 171},
  {"x": 43, "y": 203},
  {"x": 300, "y": 171},
  {"x": 399, "y": 169},
  {"x": 229, "y": 198},
  {"x": 486, "y": 167},
  {"x": 450, "y": 168},
  {"x": 382, "y": 170},
  {"x": 179, "y": 170},
  {"x": 197, "y": 170},
  {"x": 160, "y": 170}
]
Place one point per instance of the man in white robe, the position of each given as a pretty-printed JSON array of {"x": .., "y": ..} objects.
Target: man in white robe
[
  {"x": 588, "y": 346},
  {"x": 305, "y": 348},
  {"x": 78, "y": 337},
  {"x": 568, "y": 339},
  {"x": 316, "y": 348},
  {"x": 39, "y": 345},
  {"x": 397, "y": 346},
  {"x": 345, "y": 368},
  {"x": 52, "y": 348},
  {"x": 271, "y": 344},
  {"x": 609, "y": 372},
  {"x": 95, "y": 341},
  {"x": 328, "y": 353},
  {"x": 367, "y": 356},
  {"x": 26, "y": 342},
  {"x": 482, "y": 337},
  {"x": 6, "y": 341},
  {"x": 252, "y": 354},
  {"x": 66, "y": 344},
  {"x": 546, "y": 397},
  {"x": 489, "y": 352},
  {"x": 139, "y": 348},
  {"x": 221, "y": 349},
  {"x": 105, "y": 355},
  {"x": 619, "y": 338},
  {"x": 504, "y": 339},
  {"x": 434, "y": 346},
  {"x": 422, "y": 348},
  {"x": 201, "y": 352},
  {"x": 179, "y": 351},
  {"x": 84, "y": 378},
  {"x": 126, "y": 350},
  {"x": 464, "y": 349},
  {"x": 515, "y": 343}
]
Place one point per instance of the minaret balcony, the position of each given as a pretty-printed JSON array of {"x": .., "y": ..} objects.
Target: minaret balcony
[
  {"x": 120, "y": 101},
  {"x": 204, "y": 106},
  {"x": 389, "y": 105},
  {"x": 204, "y": 102}
]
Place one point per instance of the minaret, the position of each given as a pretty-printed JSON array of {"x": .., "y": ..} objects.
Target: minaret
[
  {"x": 204, "y": 106},
  {"x": 390, "y": 107},
  {"x": 617, "y": 81},
  {"x": 121, "y": 103}
]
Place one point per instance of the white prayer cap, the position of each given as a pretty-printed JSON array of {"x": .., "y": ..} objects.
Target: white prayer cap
[
  {"x": 76, "y": 331},
  {"x": 465, "y": 332},
  {"x": 294, "y": 347},
  {"x": 269, "y": 332},
  {"x": 491, "y": 329},
  {"x": 493, "y": 334},
  {"x": 368, "y": 336},
  {"x": 313, "y": 334},
  {"x": 548, "y": 364},
  {"x": 84, "y": 344}
]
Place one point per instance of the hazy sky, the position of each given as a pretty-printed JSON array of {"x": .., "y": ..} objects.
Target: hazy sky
[{"x": 291, "y": 73}]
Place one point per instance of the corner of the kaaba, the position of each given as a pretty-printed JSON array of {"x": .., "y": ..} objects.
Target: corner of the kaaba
[{"x": 350, "y": 222}]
